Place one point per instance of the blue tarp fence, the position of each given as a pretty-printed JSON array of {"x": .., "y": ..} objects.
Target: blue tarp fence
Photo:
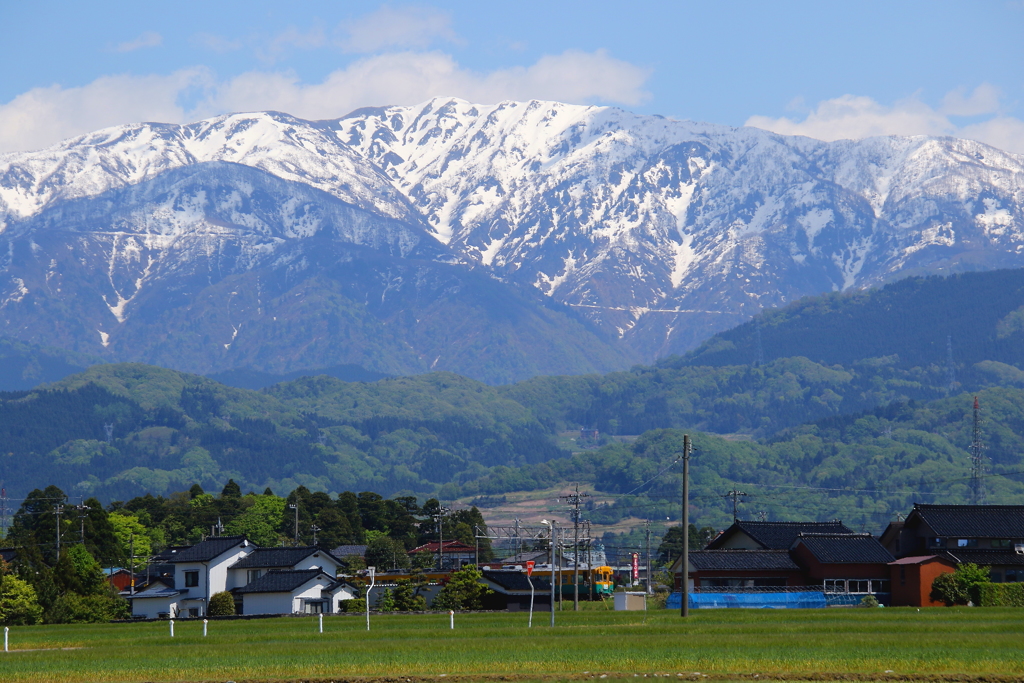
[{"x": 781, "y": 600}]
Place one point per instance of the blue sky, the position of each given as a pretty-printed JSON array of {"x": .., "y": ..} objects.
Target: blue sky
[{"x": 826, "y": 69}]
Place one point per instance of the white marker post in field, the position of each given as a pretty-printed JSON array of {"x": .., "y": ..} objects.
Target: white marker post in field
[
  {"x": 172, "y": 628},
  {"x": 205, "y": 622},
  {"x": 6, "y": 631},
  {"x": 321, "y": 622}
]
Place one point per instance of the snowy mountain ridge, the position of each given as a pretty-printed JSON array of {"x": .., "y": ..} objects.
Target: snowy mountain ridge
[{"x": 659, "y": 232}]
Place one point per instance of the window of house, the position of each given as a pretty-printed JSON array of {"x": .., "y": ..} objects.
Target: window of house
[
  {"x": 835, "y": 585},
  {"x": 881, "y": 586},
  {"x": 314, "y": 607},
  {"x": 193, "y": 612},
  {"x": 967, "y": 543},
  {"x": 191, "y": 579},
  {"x": 1001, "y": 542},
  {"x": 252, "y": 575},
  {"x": 936, "y": 543},
  {"x": 857, "y": 586},
  {"x": 1011, "y": 576}
]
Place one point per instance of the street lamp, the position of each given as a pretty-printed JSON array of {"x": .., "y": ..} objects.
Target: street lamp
[
  {"x": 373, "y": 571},
  {"x": 551, "y": 528}
]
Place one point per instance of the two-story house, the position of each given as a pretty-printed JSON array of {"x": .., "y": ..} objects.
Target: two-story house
[
  {"x": 199, "y": 572},
  {"x": 988, "y": 535}
]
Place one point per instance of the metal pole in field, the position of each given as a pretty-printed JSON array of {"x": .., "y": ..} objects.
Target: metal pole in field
[
  {"x": 172, "y": 628},
  {"x": 451, "y": 617},
  {"x": 529, "y": 571},
  {"x": 6, "y": 631},
  {"x": 684, "y": 568},
  {"x": 205, "y": 622},
  {"x": 647, "y": 528},
  {"x": 321, "y": 622}
]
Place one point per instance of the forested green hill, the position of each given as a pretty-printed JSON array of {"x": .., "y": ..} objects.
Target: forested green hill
[
  {"x": 860, "y": 435},
  {"x": 907, "y": 322}
]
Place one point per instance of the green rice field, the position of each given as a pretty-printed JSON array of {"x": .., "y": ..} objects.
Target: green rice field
[{"x": 835, "y": 644}]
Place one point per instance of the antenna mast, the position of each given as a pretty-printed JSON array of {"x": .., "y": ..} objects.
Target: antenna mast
[{"x": 977, "y": 460}]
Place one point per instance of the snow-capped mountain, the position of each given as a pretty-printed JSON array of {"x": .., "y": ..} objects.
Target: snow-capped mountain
[
  {"x": 157, "y": 242},
  {"x": 664, "y": 230}
]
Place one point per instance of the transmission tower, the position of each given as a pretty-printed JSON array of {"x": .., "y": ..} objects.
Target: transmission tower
[
  {"x": 759, "y": 359},
  {"x": 977, "y": 459},
  {"x": 950, "y": 368},
  {"x": 3, "y": 513}
]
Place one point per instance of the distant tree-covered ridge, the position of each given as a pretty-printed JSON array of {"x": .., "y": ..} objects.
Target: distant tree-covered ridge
[{"x": 831, "y": 415}]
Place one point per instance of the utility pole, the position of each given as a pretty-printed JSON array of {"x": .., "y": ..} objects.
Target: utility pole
[
  {"x": 131, "y": 562},
  {"x": 574, "y": 500},
  {"x": 685, "y": 568},
  {"x": 590, "y": 562},
  {"x": 314, "y": 528},
  {"x": 3, "y": 513},
  {"x": 647, "y": 532},
  {"x": 977, "y": 459},
  {"x": 735, "y": 495},
  {"x": 439, "y": 519},
  {"x": 58, "y": 509},
  {"x": 519, "y": 545},
  {"x": 295, "y": 506},
  {"x": 82, "y": 514}
]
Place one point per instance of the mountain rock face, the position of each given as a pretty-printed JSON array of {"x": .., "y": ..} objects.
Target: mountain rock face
[{"x": 499, "y": 241}]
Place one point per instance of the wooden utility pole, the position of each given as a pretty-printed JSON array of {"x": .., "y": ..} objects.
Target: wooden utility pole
[{"x": 685, "y": 568}]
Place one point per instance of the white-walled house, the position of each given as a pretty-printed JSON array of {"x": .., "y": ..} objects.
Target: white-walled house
[
  {"x": 288, "y": 592},
  {"x": 233, "y": 564},
  {"x": 199, "y": 572},
  {"x": 259, "y": 562}
]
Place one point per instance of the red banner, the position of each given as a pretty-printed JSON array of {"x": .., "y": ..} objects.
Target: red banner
[
  {"x": 636, "y": 566},
  {"x": 529, "y": 568}
]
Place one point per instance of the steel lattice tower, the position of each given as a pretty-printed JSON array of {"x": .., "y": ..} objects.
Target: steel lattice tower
[{"x": 977, "y": 460}]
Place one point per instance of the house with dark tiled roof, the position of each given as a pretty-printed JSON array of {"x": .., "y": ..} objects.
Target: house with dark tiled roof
[
  {"x": 854, "y": 564},
  {"x": 344, "y": 551},
  {"x": 765, "y": 556},
  {"x": 455, "y": 553},
  {"x": 511, "y": 591},
  {"x": 289, "y": 591},
  {"x": 988, "y": 535},
  {"x": 751, "y": 535},
  {"x": 260, "y": 561},
  {"x": 199, "y": 571},
  {"x": 741, "y": 569}
]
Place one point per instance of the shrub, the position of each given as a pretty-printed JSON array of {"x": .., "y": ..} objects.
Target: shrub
[
  {"x": 221, "y": 605},
  {"x": 869, "y": 601},
  {"x": 961, "y": 586},
  {"x": 463, "y": 591},
  {"x": 999, "y": 595},
  {"x": 353, "y": 605},
  {"x": 18, "y": 603}
]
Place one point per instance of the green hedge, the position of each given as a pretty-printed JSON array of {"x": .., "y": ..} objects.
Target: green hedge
[{"x": 998, "y": 594}]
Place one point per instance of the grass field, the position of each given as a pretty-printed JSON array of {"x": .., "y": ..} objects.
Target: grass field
[{"x": 863, "y": 644}]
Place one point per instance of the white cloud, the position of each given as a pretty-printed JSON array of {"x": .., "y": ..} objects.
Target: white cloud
[
  {"x": 852, "y": 117},
  {"x": 396, "y": 27},
  {"x": 147, "y": 39},
  {"x": 217, "y": 43},
  {"x": 411, "y": 77},
  {"x": 984, "y": 100},
  {"x": 44, "y": 116},
  {"x": 291, "y": 37}
]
